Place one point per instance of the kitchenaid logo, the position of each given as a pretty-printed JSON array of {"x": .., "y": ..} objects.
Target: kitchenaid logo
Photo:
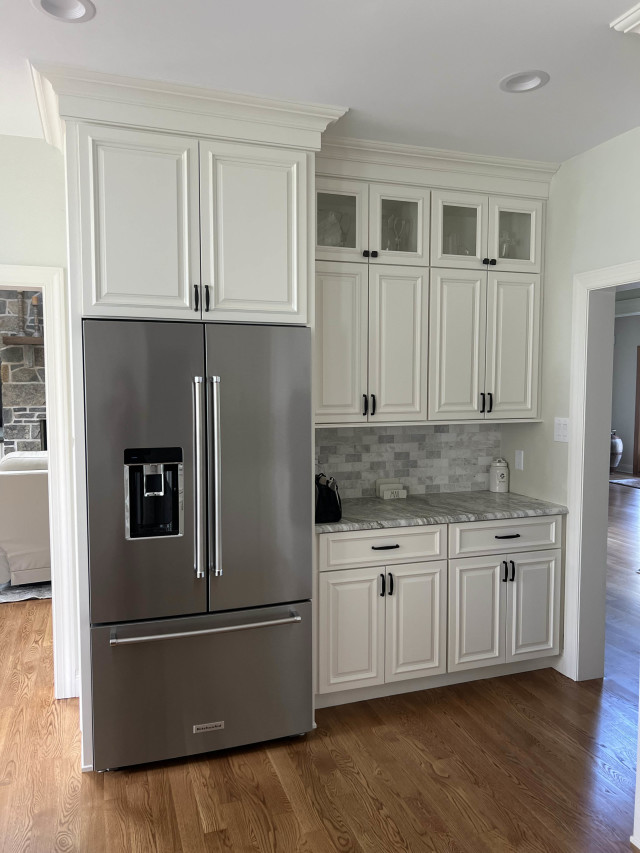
[{"x": 208, "y": 727}]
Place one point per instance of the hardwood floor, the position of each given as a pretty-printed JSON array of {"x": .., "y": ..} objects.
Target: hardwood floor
[{"x": 532, "y": 762}]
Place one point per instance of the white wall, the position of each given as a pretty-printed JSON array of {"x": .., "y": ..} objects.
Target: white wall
[
  {"x": 32, "y": 203},
  {"x": 593, "y": 221},
  {"x": 623, "y": 408}
]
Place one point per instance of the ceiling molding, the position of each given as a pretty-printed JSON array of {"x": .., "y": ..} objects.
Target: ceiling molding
[
  {"x": 344, "y": 157},
  {"x": 78, "y": 94},
  {"x": 629, "y": 22}
]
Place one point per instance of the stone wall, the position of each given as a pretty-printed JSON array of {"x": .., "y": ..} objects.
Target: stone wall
[
  {"x": 446, "y": 458},
  {"x": 22, "y": 372}
]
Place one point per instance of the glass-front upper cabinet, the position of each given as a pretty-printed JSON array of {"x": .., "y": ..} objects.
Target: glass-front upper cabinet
[
  {"x": 398, "y": 224},
  {"x": 515, "y": 234},
  {"x": 342, "y": 230},
  {"x": 474, "y": 231},
  {"x": 458, "y": 229}
]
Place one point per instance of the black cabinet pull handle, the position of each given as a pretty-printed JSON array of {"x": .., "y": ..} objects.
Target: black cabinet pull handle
[
  {"x": 384, "y": 547},
  {"x": 490, "y": 396},
  {"x": 485, "y": 260},
  {"x": 196, "y": 297},
  {"x": 513, "y": 571},
  {"x": 383, "y": 586},
  {"x": 390, "y": 584},
  {"x": 483, "y": 395},
  {"x": 507, "y": 536},
  {"x": 206, "y": 297},
  {"x": 365, "y": 254},
  {"x": 373, "y": 404},
  {"x": 506, "y": 571},
  {"x": 374, "y": 254},
  {"x": 493, "y": 262},
  {"x": 365, "y": 405}
]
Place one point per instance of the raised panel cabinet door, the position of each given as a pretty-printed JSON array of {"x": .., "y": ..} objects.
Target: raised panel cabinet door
[
  {"x": 342, "y": 219},
  {"x": 457, "y": 330},
  {"x": 515, "y": 234},
  {"x": 458, "y": 229},
  {"x": 398, "y": 351},
  {"x": 416, "y": 620},
  {"x": 398, "y": 224},
  {"x": 513, "y": 343},
  {"x": 351, "y": 629},
  {"x": 476, "y": 612},
  {"x": 139, "y": 222},
  {"x": 340, "y": 342},
  {"x": 533, "y": 604},
  {"x": 253, "y": 209}
]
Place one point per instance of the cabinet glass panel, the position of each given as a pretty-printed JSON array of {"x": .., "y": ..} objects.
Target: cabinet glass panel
[
  {"x": 459, "y": 230},
  {"x": 400, "y": 222},
  {"x": 514, "y": 235},
  {"x": 336, "y": 220}
]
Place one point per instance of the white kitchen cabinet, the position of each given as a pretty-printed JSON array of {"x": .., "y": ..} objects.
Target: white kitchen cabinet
[
  {"x": 139, "y": 220},
  {"x": 341, "y": 342},
  {"x": 177, "y": 228},
  {"x": 370, "y": 343},
  {"x": 512, "y": 348},
  {"x": 351, "y": 627},
  {"x": 483, "y": 345},
  {"x": 253, "y": 232},
  {"x": 381, "y": 624},
  {"x": 376, "y": 223},
  {"x": 416, "y": 620},
  {"x": 475, "y": 231},
  {"x": 503, "y": 608}
]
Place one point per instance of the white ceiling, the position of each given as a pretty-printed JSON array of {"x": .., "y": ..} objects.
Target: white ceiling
[{"x": 422, "y": 72}]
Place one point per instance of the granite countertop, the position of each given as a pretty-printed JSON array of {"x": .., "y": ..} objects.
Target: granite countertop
[{"x": 440, "y": 508}]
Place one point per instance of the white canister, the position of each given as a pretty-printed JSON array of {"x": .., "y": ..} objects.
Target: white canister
[{"x": 499, "y": 476}]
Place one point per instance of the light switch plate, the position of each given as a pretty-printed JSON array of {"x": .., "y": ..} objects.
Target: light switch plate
[
  {"x": 519, "y": 460},
  {"x": 561, "y": 429}
]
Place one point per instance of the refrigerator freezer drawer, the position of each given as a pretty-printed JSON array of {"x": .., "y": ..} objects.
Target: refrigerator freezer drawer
[{"x": 183, "y": 686}]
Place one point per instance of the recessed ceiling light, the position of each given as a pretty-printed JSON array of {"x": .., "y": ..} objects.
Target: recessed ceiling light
[
  {"x": 524, "y": 81},
  {"x": 69, "y": 11}
]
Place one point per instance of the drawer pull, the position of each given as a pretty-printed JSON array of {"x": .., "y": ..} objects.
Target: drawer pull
[
  {"x": 508, "y": 536},
  {"x": 384, "y": 547}
]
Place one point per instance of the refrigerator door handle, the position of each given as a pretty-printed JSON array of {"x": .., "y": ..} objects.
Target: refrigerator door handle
[
  {"x": 199, "y": 549},
  {"x": 215, "y": 476},
  {"x": 150, "y": 638}
]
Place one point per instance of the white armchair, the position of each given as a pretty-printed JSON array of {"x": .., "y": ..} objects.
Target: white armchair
[{"x": 25, "y": 555}]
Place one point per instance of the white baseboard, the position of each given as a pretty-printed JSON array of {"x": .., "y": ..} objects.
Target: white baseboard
[{"x": 359, "y": 694}]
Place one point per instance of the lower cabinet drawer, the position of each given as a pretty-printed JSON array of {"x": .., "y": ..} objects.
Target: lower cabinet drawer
[
  {"x": 496, "y": 537},
  {"x": 382, "y": 547}
]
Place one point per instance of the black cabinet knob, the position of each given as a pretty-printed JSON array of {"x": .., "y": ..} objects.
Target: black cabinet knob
[
  {"x": 485, "y": 260},
  {"x": 374, "y": 254},
  {"x": 493, "y": 262},
  {"x": 373, "y": 404},
  {"x": 196, "y": 297},
  {"x": 365, "y": 405},
  {"x": 365, "y": 254},
  {"x": 382, "y": 591},
  {"x": 506, "y": 571},
  {"x": 513, "y": 571}
]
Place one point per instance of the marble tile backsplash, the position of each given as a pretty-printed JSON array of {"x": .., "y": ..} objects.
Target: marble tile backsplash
[{"x": 426, "y": 459}]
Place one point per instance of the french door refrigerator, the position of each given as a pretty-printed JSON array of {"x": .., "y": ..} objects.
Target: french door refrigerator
[{"x": 198, "y": 450}]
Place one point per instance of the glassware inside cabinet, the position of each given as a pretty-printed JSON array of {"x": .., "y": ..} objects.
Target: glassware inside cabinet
[
  {"x": 336, "y": 220},
  {"x": 399, "y": 225},
  {"x": 459, "y": 230},
  {"x": 514, "y": 235}
]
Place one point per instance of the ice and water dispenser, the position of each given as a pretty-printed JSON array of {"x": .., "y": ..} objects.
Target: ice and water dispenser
[{"x": 153, "y": 492}]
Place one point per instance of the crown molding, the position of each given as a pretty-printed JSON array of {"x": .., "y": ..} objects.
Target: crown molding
[
  {"x": 434, "y": 159},
  {"x": 629, "y": 22},
  {"x": 65, "y": 93}
]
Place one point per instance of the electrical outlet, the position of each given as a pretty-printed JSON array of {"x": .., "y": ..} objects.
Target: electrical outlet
[
  {"x": 519, "y": 460},
  {"x": 561, "y": 429}
]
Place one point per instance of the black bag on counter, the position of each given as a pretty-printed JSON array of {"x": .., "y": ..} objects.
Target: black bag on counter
[{"x": 328, "y": 504}]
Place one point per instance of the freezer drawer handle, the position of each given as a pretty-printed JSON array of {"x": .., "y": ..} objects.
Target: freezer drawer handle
[
  {"x": 127, "y": 641},
  {"x": 198, "y": 480},
  {"x": 215, "y": 477}
]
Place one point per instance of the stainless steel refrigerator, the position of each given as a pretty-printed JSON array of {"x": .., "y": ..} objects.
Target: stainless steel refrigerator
[{"x": 199, "y": 487}]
